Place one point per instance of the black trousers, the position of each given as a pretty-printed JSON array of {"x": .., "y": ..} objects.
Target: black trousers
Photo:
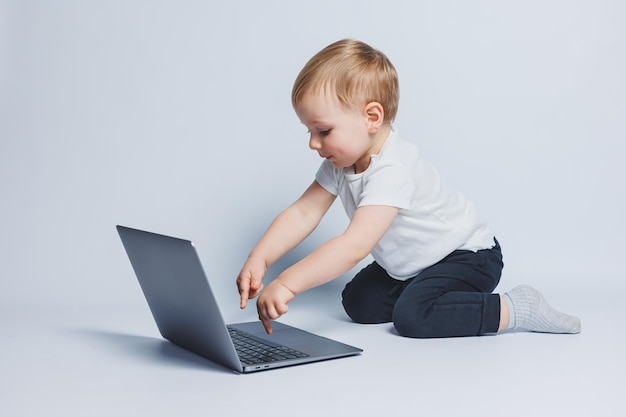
[{"x": 451, "y": 298}]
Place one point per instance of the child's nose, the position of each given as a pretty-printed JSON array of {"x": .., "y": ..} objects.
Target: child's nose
[{"x": 315, "y": 143}]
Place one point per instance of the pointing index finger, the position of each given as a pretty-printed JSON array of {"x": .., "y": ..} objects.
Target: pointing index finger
[
  {"x": 244, "y": 298},
  {"x": 244, "y": 292},
  {"x": 268, "y": 325}
]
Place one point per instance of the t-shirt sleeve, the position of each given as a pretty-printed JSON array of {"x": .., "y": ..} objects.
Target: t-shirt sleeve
[
  {"x": 389, "y": 185},
  {"x": 326, "y": 176}
]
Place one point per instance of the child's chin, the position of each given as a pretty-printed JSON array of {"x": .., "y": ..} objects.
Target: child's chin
[{"x": 337, "y": 164}]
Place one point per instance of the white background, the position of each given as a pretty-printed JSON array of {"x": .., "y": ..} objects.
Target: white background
[{"x": 175, "y": 117}]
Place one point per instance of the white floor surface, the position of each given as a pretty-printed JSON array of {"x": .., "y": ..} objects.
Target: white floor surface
[{"x": 96, "y": 362}]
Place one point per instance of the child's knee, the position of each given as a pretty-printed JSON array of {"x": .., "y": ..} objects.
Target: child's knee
[
  {"x": 412, "y": 319},
  {"x": 352, "y": 305},
  {"x": 360, "y": 308},
  {"x": 411, "y": 327}
]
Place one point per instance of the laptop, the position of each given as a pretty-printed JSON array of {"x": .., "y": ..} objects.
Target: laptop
[{"x": 187, "y": 314}]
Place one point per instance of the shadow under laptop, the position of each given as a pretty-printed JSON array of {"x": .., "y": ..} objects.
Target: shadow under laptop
[{"x": 153, "y": 350}]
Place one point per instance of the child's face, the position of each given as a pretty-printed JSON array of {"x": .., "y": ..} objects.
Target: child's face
[{"x": 337, "y": 132}]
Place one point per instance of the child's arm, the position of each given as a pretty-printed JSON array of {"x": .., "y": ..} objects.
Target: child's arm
[
  {"x": 289, "y": 228},
  {"x": 332, "y": 259}
]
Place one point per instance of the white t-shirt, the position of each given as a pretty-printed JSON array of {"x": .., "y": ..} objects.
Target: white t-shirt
[{"x": 433, "y": 221}]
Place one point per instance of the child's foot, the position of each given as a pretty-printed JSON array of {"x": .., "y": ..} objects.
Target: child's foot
[{"x": 529, "y": 310}]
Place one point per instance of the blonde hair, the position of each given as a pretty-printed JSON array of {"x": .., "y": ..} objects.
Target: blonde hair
[{"x": 357, "y": 73}]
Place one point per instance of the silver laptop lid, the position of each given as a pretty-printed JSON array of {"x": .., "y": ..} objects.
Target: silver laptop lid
[{"x": 183, "y": 305}]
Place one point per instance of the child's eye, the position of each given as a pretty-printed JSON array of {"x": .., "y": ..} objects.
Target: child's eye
[{"x": 325, "y": 132}]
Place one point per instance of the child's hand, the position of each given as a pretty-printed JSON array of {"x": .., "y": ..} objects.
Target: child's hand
[
  {"x": 250, "y": 280},
  {"x": 273, "y": 303}
]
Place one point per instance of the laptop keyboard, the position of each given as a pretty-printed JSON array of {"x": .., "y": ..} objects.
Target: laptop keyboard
[{"x": 252, "y": 350}]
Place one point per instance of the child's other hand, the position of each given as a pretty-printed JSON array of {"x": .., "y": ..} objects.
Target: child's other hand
[
  {"x": 273, "y": 303},
  {"x": 250, "y": 280}
]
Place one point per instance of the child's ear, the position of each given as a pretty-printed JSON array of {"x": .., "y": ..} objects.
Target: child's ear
[{"x": 375, "y": 115}]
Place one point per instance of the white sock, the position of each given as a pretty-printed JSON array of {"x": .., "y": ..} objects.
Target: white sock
[{"x": 529, "y": 310}]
